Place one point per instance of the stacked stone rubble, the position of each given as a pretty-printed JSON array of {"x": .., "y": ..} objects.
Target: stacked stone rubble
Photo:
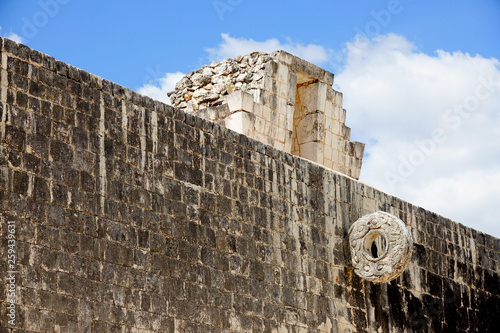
[
  {"x": 278, "y": 99},
  {"x": 208, "y": 85}
]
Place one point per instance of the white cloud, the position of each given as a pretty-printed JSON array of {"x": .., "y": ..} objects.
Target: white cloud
[
  {"x": 158, "y": 89},
  {"x": 230, "y": 47},
  {"x": 13, "y": 36},
  {"x": 396, "y": 98}
]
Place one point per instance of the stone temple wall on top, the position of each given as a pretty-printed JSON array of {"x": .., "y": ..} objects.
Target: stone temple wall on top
[{"x": 278, "y": 99}]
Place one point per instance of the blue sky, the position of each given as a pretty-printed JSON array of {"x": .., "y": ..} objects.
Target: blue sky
[
  {"x": 119, "y": 40},
  {"x": 408, "y": 70}
]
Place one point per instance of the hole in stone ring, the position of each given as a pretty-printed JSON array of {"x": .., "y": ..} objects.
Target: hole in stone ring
[{"x": 375, "y": 245}]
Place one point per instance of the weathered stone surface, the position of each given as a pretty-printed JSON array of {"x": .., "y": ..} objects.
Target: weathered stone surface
[
  {"x": 219, "y": 79},
  {"x": 312, "y": 151},
  {"x": 310, "y": 128},
  {"x": 381, "y": 247},
  {"x": 178, "y": 224},
  {"x": 241, "y": 122},
  {"x": 240, "y": 101}
]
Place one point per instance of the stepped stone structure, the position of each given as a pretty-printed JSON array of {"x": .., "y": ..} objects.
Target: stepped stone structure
[
  {"x": 278, "y": 99},
  {"x": 119, "y": 213}
]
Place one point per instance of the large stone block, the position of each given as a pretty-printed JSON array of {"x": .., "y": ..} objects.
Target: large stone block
[
  {"x": 242, "y": 122},
  {"x": 359, "y": 148},
  {"x": 312, "y": 97},
  {"x": 312, "y": 151},
  {"x": 305, "y": 67},
  {"x": 311, "y": 128},
  {"x": 240, "y": 101}
]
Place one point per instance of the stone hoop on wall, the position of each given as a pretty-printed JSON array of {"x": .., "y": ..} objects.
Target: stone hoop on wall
[{"x": 381, "y": 247}]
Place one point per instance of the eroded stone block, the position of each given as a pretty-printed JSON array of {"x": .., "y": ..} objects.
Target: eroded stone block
[
  {"x": 241, "y": 121},
  {"x": 240, "y": 101},
  {"x": 312, "y": 151},
  {"x": 311, "y": 128}
]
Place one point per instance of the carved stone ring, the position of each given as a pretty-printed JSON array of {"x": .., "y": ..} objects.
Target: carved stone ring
[{"x": 381, "y": 246}]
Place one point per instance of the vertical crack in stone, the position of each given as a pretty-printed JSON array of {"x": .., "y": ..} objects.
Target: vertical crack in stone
[
  {"x": 124, "y": 121},
  {"x": 3, "y": 93},
  {"x": 143, "y": 138},
  {"x": 154, "y": 130},
  {"x": 102, "y": 154}
]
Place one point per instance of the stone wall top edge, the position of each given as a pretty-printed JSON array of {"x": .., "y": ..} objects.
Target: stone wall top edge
[
  {"x": 96, "y": 82},
  {"x": 37, "y": 58},
  {"x": 119, "y": 91},
  {"x": 305, "y": 66}
]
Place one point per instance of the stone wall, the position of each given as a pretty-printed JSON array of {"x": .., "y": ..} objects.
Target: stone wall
[
  {"x": 278, "y": 99},
  {"x": 134, "y": 216}
]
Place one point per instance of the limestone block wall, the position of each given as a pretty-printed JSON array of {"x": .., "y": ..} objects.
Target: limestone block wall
[
  {"x": 133, "y": 216},
  {"x": 278, "y": 99}
]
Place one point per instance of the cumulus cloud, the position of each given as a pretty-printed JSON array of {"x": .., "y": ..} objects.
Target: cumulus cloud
[
  {"x": 230, "y": 47},
  {"x": 13, "y": 36},
  {"x": 431, "y": 124},
  {"x": 158, "y": 89}
]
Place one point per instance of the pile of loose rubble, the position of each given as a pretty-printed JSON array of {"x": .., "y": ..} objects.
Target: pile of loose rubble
[{"x": 207, "y": 86}]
